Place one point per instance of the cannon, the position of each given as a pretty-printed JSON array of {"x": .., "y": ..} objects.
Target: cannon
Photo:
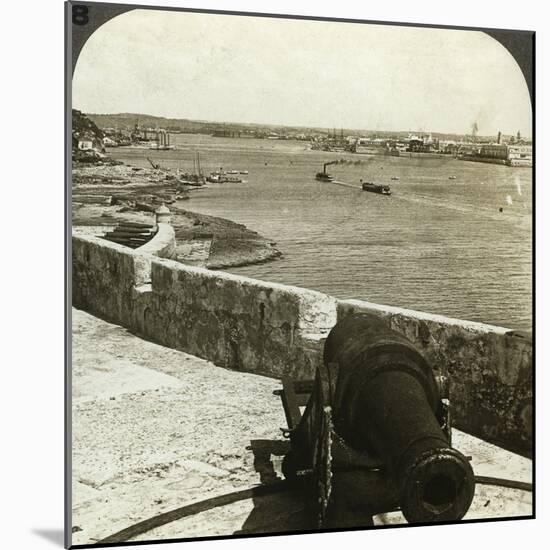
[{"x": 375, "y": 434}]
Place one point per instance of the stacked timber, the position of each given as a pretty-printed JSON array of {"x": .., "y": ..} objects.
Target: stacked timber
[{"x": 131, "y": 234}]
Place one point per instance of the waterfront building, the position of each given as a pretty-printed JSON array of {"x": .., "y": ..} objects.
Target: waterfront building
[
  {"x": 400, "y": 146},
  {"x": 422, "y": 144},
  {"x": 511, "y": 154},
  {"x": 520, "y": 155},
  {"x": 368, "y": 146},
  {"x": 85, "y": 143},
  {"x": 464, "y": 148},
  {"x": 494, "y": 151}
]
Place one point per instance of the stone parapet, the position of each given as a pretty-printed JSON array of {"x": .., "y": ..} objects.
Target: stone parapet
[{"x": 275, "y": 330}]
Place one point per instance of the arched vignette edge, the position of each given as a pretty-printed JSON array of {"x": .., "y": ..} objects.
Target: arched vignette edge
[
  {"x": 521, "y": 46},
  {"x": 519, "y": 43},
  {"x": 98, "y": 15}
]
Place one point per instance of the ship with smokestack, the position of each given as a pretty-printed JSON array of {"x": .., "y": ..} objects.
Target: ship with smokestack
[
  {"x": 365, "y": 186},
  {"x": 324, "y": 175}
]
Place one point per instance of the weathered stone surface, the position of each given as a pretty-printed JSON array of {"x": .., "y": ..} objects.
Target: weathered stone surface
[
  {"x": 276, "y": 330},
  {"x": 489, "y": 367},
  {"x": 235, "y": 322},
  {"x": 103, "y": 277},
  {"x": 181, "y": 430},
  {"x": 163, "y": 244}
]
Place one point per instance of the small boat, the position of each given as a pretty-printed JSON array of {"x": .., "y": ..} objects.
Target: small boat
[
  {"x": 216, "y": 177},
  {"x": 323, "y": 176},
  {"x": 191, "y": 182},
  {"x": 243, "y": 172},
  {"x": 232, "y": 172},
  {"x": 452, "y": 177},
  {"x": 376, "y": 188},
  {"x": 229, "y": 179},
  {"x": 395, "y": 178},
  {"x": 195, "y": 179},
  {"x": 157, "y": 147}
]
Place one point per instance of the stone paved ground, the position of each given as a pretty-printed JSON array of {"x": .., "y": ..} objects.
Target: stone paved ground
[{"x": 155, "y": 429}]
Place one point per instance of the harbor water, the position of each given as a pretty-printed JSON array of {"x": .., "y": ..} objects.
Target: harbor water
[{"x": 457, "y": 247}]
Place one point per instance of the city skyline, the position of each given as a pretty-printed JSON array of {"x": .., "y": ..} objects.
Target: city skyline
[
  {"x": 368, "y": 77},
  {"x": 258, "y": 125}
]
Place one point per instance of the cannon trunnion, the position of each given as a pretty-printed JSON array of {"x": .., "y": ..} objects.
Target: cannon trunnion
[{"x": 375, "y": 435}]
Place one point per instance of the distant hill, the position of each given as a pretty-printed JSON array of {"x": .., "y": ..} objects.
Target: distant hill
[{"x": 127, "y": 121}]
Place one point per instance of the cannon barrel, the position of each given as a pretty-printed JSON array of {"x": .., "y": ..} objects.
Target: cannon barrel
[{"x": 386, "y": 403}]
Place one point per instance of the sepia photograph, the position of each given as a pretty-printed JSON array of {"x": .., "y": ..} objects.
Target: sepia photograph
[{"x": 301, "y": 269}]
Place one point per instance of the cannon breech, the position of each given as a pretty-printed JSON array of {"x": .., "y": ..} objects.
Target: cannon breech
[{"x": 375, "y": 435}]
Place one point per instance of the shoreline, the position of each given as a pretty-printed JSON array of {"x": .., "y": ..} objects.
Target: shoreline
[{"x": 106, "y": 193}]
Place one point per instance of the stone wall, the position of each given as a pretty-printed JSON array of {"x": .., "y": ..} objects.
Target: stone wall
[
  {"x": 105, "y": 276},
  {"x": 236, "y": 322},
  {"x": 274, "y": 330},
  {"x": 163, "y": 244}
]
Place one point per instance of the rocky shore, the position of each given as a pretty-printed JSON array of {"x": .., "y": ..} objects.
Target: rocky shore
[{"x": 106, "y": 193}]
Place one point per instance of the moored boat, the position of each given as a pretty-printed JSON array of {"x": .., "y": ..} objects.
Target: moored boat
[
  {"x": 157, "y": 147},
  {"x": 229, "y": 179},
  {"x": 216, "y": 177},
  {"x": 194, "y": 180}
]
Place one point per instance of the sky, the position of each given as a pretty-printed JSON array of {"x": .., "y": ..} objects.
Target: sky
[{"x": 301, "y": 73}]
